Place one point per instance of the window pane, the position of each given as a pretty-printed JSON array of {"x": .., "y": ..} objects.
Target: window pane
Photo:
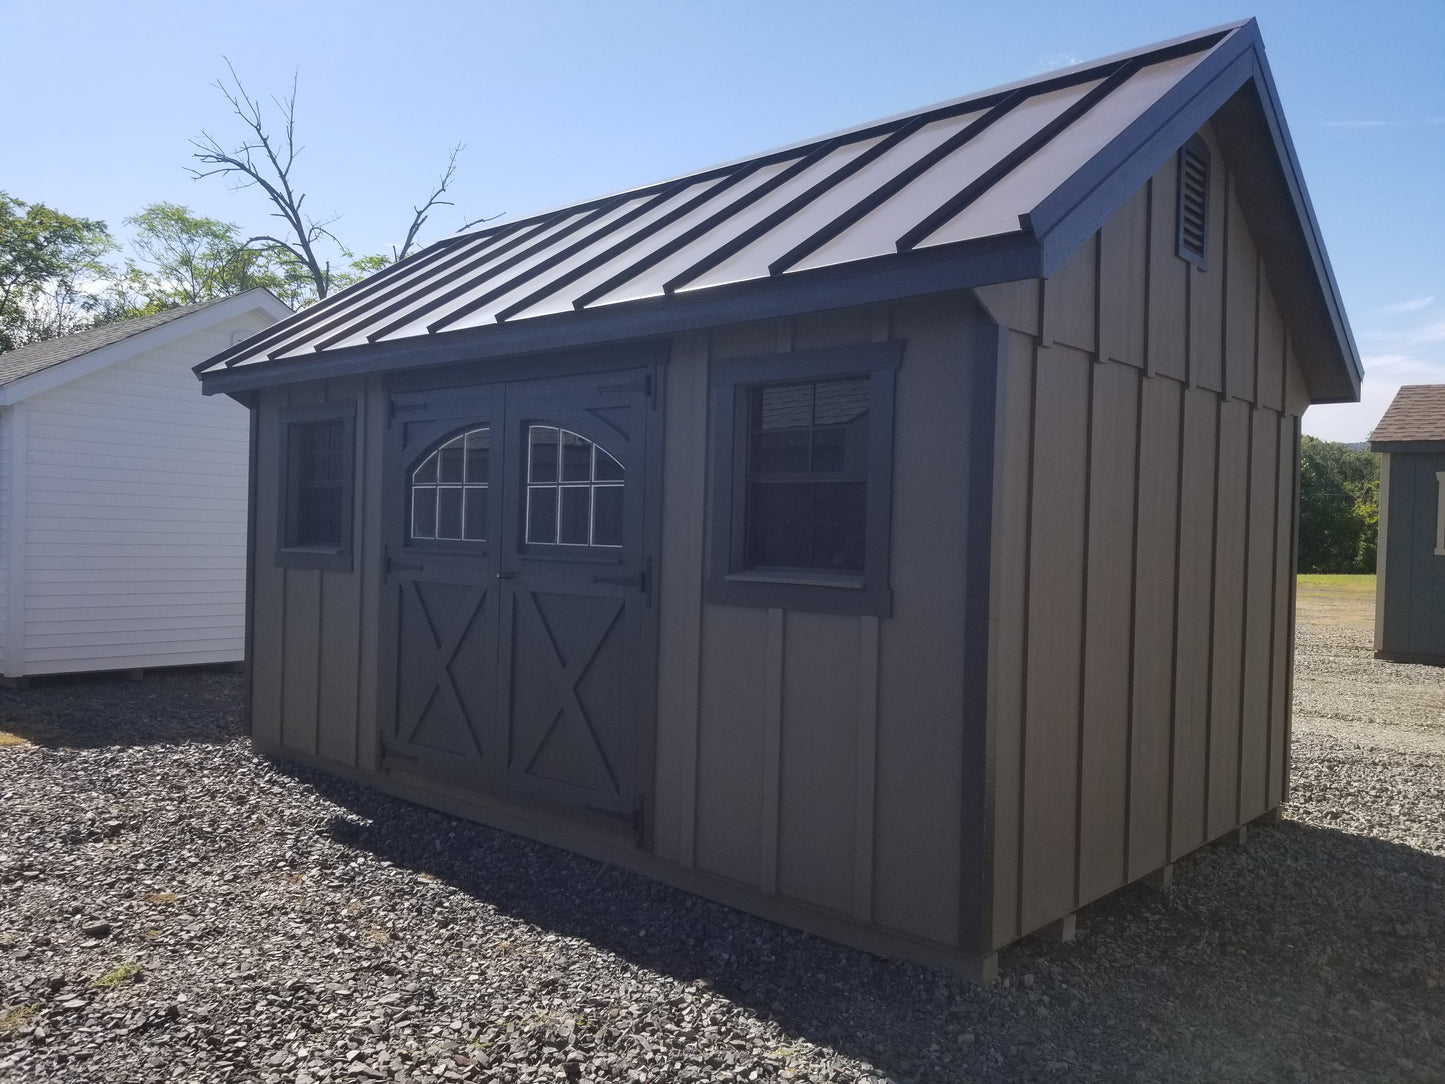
[
  {"x": 478, "y": 443},
  {"x": 426, "y": 474},
  {"x": 449, "y": 461},
  {"x": 576, "y": 512},
  {"x": 838, "y": 517},
  {"x": 542, "y": 464},
  {"x": 607, "y": 469},
  {"x": 786, "y": 407},
  {"x": 318, "y": 516},
  {"x": 315, "y": 458},
  {"x": 542, "y": 514},
  {"x": 424, "y": 512},
  {"x": 838, "y": 402},
  {"x": 475, "y": 506},
  {"x": 449, "y": 512},
  {"x": 780, "y": 525},
  {"x": 607, "y": 515},
  {"x": 576, "y": 458}
]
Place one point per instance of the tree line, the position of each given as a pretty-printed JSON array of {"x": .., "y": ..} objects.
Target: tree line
[
  {"x": 1339, "y": 507},
  {"x": 61, "y": 273}
]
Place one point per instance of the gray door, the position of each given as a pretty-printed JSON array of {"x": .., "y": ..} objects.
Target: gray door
[{"x": 521, "y": 590}]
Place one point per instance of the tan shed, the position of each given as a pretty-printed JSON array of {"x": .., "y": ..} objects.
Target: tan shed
[{"x": 890, "y": 534}]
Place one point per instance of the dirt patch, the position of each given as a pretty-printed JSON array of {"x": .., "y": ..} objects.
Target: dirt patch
[{"x": 1342, "y": 690}]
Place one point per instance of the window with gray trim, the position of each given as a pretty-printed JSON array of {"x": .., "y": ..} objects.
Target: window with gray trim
[
  {"x": 801, "y": 479},
  {"x": 316, "y": 486}
]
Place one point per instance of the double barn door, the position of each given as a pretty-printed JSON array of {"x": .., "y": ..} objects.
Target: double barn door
[{"x": 518, "y": 589}]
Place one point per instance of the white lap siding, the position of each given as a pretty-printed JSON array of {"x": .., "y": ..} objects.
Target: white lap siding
[{"x": 135, "y": 516}]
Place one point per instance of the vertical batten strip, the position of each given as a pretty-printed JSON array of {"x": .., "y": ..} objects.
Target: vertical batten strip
[
  {"x": 772, "y": 754},
  {"x": 691, "y": 604},
  {"x": 867, "y": 769},
  {"x": 1381, "y": 549},
  {"x": 18, "y": 438},
  {"x": 1027, "y": 558}
]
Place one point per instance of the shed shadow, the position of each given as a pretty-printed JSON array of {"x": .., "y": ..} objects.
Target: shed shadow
[
  {"x": 1257, "y": 911},
  {"x": 172, "y": 706}
]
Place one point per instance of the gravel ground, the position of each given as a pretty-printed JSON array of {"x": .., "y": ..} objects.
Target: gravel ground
[{"x": 174, "y": 908}]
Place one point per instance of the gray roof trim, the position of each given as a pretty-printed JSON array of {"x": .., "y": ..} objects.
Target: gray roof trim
[
  {"x": 930, "y": 271},
  {"x": 34, "y": 358}
]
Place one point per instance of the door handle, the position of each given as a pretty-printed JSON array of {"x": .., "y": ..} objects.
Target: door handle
[{"x": 506, "y": 575}]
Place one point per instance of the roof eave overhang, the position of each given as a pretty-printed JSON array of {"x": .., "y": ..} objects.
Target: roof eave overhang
[
  {"x": 1005, "y": 258},
  {"x": 1234, "y": 83},
  {"x": 1408, "y": 446}
]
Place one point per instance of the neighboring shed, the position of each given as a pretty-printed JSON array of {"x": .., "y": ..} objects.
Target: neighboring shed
[
  {"x": 891, "y": 534},
  {"x": 123, "y": 495},
  {"x": 1410, "y": 557}
]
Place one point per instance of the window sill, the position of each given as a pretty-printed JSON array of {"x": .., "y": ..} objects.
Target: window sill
[
  {"x": 825, "y": 594},
  {"x": 819, "y": 579},
  {"x": 327, "y": 559}
]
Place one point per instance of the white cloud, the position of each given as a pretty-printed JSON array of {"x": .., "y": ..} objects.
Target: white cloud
[
  {"x": 1415, "y": 304},
  {"x": 1366, "y": 123},
  {"x": 1054, "y": 61}
]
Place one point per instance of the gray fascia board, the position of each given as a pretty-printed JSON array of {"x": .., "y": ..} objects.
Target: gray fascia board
[
  {"x": 1075, "y": 210},
  {"x": 887, "y": 278}
]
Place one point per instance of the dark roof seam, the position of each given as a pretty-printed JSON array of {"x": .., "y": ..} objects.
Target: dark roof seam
[
  {"x": 406, "y": 293},
  {"x": 817, "y": 154},
  {"x": 788, "y": 210},
  {"x": 300, "y": 321},
  {"x": 502, "y": 289},
  {"x": 608, "y": 255},
  {"x": 329, "y": 317},
  {"x": 888, "y": 190},
  {"x": 529, "y": 250},
  {"x": 1018, "y": 156}
]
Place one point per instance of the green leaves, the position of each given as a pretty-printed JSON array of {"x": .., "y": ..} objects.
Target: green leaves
[
  {"x": 50, "y": 264},
  {"x": 1339, "y": 507}
]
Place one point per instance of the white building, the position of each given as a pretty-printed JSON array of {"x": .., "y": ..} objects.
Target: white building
[{"x": 123, "y": 495}]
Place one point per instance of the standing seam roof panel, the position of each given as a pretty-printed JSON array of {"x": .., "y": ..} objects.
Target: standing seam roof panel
[
  {"x": 754, "y": 261},
  {"x": 408, "y": 305},
  {"x": 996, "y": 211}
]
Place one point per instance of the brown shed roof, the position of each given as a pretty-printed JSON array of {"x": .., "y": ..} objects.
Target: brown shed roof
[
  {"x": 1416, "y": 415},
  {"x": 994, "y": 187}
]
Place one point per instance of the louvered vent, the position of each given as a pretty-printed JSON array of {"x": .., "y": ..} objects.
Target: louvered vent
[{"x": 1194, "y": 201}]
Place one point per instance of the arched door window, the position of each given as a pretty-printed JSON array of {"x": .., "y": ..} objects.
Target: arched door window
[
  {"x": 449, "y": 490},
  {"x": 574, "y": 490}
]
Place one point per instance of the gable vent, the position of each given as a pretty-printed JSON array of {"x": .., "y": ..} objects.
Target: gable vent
[{"x": 1194, "y": 201}]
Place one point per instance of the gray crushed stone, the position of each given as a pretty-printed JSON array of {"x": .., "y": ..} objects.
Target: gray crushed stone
[{"x": 175, "y": 908}]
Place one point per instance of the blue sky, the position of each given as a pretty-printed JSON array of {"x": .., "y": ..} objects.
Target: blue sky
[{"x": 561, "y": 100}]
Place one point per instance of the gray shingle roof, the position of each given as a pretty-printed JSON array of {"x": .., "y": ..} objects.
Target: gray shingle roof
[
  {"x": 1416, "y": 414},
  {"x": 34, "y": 357}
]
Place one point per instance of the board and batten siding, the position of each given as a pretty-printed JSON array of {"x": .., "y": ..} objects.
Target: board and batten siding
[
  {"x": 1411, "y": 625},
  {"x": 313, "y": 639},
  {"x": 807, "y": 765},
  {"x": 818, "y": 759},
  {"x": 126, "y": 545},
  {"x": 1148, "y": 421}
]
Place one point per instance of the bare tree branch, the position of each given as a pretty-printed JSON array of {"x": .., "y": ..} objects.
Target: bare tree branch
[
  {"x": 266, "y": 163},
  {"x": 434, "y": 200}
]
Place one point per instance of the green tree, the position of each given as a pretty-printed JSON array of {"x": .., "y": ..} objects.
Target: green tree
[
  {"x": 50, "y": 264},
  {"x": 1339, "y": 507},
  {"x": 178, "y": 258}
]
